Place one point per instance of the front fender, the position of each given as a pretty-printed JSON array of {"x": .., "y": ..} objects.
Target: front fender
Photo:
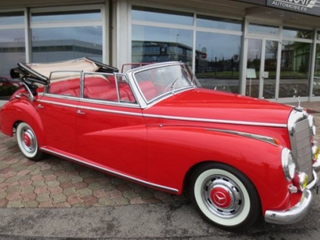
[{"x": 172, "y": 151}]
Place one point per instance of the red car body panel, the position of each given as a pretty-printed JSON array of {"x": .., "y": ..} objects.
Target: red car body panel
[{"x": 150, "y": 143}]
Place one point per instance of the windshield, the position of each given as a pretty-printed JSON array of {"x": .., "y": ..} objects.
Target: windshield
[{"x": 163, "y": 80}]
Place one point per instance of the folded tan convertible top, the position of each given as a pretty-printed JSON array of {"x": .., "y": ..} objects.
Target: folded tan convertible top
[{"x": 67, "y": 68}]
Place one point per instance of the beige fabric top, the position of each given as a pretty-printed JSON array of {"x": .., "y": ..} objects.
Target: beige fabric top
[{"x": 67, "y": 67}]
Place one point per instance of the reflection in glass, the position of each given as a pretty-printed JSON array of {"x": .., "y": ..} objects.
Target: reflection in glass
[
  {"x": 270, "y": 69},
  {"x": 316, "y": 83},
  {"x": 318, "y": 36},
  {"x": 12, "y": 49},
  {"x": 157, "y": 44},
  {"x": 297, "y": 33},
  {"x": 57, "y": 44},
  {"x": 263, "y": 29},
  {"x": 253, "y": 67},
  {"x": 10, "y": 18},
  {"x": 163, "y": 16},
  {"x": 66, "y": 16},
  {"x": 217, "y": 61},
  {"x": 226, "y": 24},
  {"x": 294, "y": 69}
]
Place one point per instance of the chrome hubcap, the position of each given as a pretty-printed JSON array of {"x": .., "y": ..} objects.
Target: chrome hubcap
[
  {"x": 28, "y": 140},
  {"x": 222, "y": 196}
]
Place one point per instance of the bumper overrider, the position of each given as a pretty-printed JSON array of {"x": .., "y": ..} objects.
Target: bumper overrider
[{"x": 300, "y": 210}]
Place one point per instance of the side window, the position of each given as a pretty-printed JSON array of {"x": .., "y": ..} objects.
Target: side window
[
  {"x": 65, "y": 83},
  {"x": 107, "y": 87}
]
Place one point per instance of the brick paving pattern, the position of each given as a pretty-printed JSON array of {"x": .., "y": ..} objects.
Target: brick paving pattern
[{"x": 55, "y": 182}]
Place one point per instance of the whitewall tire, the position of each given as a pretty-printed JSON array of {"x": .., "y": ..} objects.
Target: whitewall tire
[
  {"x": 27, "y": 142},
  {"x": 224, "y": 196}
]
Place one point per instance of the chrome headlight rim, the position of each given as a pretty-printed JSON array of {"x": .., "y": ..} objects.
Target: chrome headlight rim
[
  {"x": 312, "y": 125},
  {"x": 288, "y": 164}
]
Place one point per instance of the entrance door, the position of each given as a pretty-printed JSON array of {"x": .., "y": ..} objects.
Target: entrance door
[{"x": 262, "y": 68}]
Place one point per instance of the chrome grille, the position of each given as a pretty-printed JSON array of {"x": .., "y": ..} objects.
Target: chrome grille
[{"x": 300, "y": 138}]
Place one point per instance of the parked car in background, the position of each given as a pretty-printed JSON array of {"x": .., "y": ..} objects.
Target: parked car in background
[
  {"x": 8, "y": 86},
  {"x": 7, "y": 81},
  {"x": 239, "y": 158}
]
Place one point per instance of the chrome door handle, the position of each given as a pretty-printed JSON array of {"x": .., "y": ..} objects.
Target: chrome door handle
[
  {"x": 80, "y": 112},
  {"x": 40, "y": 106}
]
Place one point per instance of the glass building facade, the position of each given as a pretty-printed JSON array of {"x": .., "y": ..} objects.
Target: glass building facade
[{"x": 228, "y": 45}]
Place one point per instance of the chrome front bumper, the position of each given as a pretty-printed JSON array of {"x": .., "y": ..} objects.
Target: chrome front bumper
[
  {"x": 297, "y": 212},
  {"x": 294, "y": 214}
]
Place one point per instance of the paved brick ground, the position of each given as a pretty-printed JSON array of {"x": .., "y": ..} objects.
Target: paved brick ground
[{"x": 54, "y": 182}]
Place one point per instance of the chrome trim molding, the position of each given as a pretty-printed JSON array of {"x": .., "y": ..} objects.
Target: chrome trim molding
[
  {"x": 314, "y": 182},
  {"x": 58, "y": 103},
  {"x": 279, "y": 125},
  {"x": 111, "y": 111},
  {"x": 292, "y": 215},
  {"x": 249, "y": 135},
  {"x": 91, "y": 108},
  {"x": 110, "y": 103},
  {"x": 295, "y": 116},
  {"x": 111, "y": 171}
]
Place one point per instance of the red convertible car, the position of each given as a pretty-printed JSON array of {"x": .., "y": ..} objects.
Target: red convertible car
[{"x": 239, "y": 158}]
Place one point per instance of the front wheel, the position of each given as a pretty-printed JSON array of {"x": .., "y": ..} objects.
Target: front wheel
[
  {"x": 225, "y": 197},
  {"x": 27, "y": 142}
]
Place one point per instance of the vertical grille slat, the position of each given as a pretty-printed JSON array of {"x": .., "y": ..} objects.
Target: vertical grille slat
[{"x": 301, "y": 147}]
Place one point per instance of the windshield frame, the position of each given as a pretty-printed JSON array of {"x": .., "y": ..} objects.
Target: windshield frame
[{"x": 132, "y": 74}]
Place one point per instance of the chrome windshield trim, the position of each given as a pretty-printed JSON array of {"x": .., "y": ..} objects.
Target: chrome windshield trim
[
  {"x": 111, "y": 171},
  {"x": 278, "y": 125}
]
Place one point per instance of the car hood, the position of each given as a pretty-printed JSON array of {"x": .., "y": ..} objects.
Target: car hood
[{"x": 204, "y": 104}]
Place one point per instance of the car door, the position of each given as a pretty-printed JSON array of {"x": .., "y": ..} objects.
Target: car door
[
  {"x": 111, "y": 132},
  {"x": 57, "y": 109}
]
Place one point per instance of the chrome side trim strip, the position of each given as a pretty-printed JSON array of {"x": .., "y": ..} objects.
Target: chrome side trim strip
[
  {"x": 111, "y": 171},
  {"x": 249, "y": 135},
  {"x": 58, "y": 103},
  {"x": 91, "y": 108},
  {"x": 171, "y": 117},
  {"x": 216, "y": 121},
  {"x": 111, "y": 111}
]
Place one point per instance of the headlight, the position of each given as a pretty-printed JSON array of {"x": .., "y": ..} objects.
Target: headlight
[{"x": 288, "y": 164}]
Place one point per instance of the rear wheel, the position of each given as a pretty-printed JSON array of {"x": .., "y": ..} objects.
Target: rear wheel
[
  {"x": 27, "y": 142},
  {"x": 225, "y": 197}
]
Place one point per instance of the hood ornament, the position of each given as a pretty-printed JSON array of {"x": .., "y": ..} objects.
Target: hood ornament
[{"x": 299, "y": 105}]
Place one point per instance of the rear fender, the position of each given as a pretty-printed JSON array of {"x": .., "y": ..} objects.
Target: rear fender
[{"x": 21, "y": 110}]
